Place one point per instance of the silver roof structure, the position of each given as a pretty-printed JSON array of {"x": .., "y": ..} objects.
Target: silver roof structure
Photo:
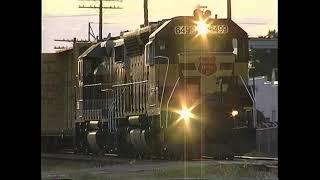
[{"x": 94, "y": 51}]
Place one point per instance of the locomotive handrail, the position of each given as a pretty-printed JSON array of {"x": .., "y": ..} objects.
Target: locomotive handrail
[
  {"x": 89, "y": 85},
  {"x": 210, "y": 52},
  {"x": 111, "y": 108},
  {"x": 97, "y": 84},
  {"x": 174, "y": 88},
  {"x": 127, "y": 84},
  {"x": 106, "y": 89},
  {"x": 164, "y": 83},
  {"x": 111, "y": 115},
  {"x": 267, "y": 128},
  {"x": 253, "y": 101}
]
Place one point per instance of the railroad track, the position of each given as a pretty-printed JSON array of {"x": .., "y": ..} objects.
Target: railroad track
[
  {"x": 113, "y": 158},
  {"x": 256, "y": 158},
  {"x": 110, "y": 158}
]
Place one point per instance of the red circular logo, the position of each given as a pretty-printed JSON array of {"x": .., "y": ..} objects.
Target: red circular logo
[{"x": 207, "y": 65}]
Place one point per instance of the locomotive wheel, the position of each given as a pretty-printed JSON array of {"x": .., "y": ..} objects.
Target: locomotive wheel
[
  {"x": 175, "y": 157},
  {"x": 141, "y": 156},
  {"x": 183, "y": 158},
  {"x": 85, "y": 150},
  {"x": 75, "y": 151},
  {"x": 132, "y": 155},
  {"x": 99, "y": 153},
  {"x": 137, "y": 156},
  {"x": 218, "y": 156},
  {"x": 169, "y": 156},
  {"x": 180, "y": 157},
  {"x": 230, "y": 156},
  {"x": 164, "y": 155},
  {"x": 148, "y": 157},
  {"x": 222, "y": 156}
]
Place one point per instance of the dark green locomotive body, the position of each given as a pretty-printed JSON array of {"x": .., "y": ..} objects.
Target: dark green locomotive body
[{"x": 164, "y": 87}]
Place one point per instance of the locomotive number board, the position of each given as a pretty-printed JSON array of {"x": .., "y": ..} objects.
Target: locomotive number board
[{"x": 216, "y": 29}]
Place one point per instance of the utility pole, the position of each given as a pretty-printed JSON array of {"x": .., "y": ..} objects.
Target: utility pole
[
  {"x": 74, "y": 40},
  {"x": 91, "y": 33},
  {"x": 145, "y": 8},
  {"x": 100, "y": 7},
  {"x": 100, "y": 21},
  {"x": 229, "y": 9},
  {"x": 252, "y": 70}
]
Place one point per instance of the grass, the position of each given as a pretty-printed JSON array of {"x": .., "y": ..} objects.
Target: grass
[
  {"x": 62, "y": 165},
  {"x": 216, "y": 170},
  {"x": 210, "y": 171}
]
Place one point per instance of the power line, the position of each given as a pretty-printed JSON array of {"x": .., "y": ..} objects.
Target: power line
[
  {"x": 102, "y": 23},
  {"x": 91, "y": 32},
  {"x": 70, "y": 40},
  {"x": 254, "y": 23},
  {"x": 62, "y": 47},
  {"x": 100, "y": 7},
  {"x": 65, "y": 16},
  {"x": 104, "y": 0},
  {"x": 105, "y": 7}
]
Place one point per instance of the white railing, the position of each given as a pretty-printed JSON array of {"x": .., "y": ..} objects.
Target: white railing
[
  {"x": 253, "y": 101},
  {"x": 168, "y": 102},
  {"x": 164, "y": 83}
]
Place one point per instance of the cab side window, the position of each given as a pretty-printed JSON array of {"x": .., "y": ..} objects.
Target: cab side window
[
  {"x": 119, "y": 53},
  {"x": 149, "y": 53}
]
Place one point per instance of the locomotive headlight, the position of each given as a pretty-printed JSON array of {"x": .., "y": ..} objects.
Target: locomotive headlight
[
  {"x": 185, "y": 114},
  {"x": 234, "y": 113},
  {"x": 202, "y": 28}
]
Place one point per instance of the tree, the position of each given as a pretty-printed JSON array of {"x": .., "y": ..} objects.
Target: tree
[{"x": 272, "y": 34}]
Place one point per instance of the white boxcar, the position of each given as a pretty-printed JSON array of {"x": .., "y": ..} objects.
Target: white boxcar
[{"x": 266, "y": 97}]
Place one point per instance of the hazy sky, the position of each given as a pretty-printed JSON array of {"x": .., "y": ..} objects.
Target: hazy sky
[{"x": 60, "y": 18}]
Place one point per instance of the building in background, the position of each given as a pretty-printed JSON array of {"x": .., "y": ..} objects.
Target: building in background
[
  {"x": 264, "y": 51},
  {"x": 265, "y": 54}
]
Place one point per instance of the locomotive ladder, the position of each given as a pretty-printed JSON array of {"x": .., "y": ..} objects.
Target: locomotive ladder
[
  {"x": 111, "y": 108},
  {"x": 111, "y": 111}
]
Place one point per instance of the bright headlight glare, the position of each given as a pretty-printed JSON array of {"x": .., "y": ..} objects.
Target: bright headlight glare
[
  {"x": 185, "y": 114},
  {"x": 234, "y": 113},
  {"x": 202, "y": 28}
]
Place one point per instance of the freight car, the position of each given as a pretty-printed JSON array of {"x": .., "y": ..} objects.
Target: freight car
[
  {"x": 175, "y": 88},
  {"x": 58, "y": 86}
]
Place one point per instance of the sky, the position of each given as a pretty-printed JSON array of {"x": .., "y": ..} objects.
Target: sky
[{"x": 63, "y": 19}]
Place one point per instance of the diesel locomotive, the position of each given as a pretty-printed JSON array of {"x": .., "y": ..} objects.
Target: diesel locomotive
[{"x": 173, "y": 88}]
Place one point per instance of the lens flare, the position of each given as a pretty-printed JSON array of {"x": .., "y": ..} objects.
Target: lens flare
[
  {"x": 202, "y": 28},
  {"x": 234, "y": 113},
  {"x": 185, "y": 114}
]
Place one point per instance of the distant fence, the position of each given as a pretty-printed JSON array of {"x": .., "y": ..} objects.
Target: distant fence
[{"x": 267, "y": 141}]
